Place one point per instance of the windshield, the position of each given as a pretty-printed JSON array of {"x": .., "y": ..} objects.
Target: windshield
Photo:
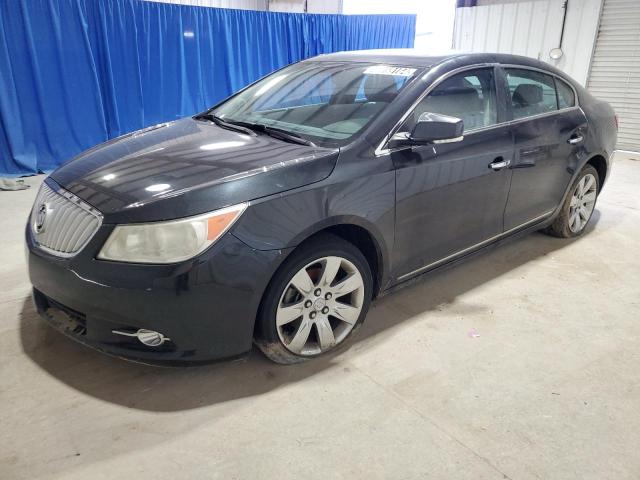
[{"x": 326, "y": 103}]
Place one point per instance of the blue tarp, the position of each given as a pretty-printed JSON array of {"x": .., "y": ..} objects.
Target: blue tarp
[{"x": 74, "y": 73}]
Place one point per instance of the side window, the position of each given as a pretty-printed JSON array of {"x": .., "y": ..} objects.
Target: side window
[
  {"x": 470, "y": 96},
  {"x": 566, "y": 97},
  {"x": 532, "y": 92}
]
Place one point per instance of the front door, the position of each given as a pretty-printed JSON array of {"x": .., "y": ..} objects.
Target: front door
[
  {"x": 549, "y": 131},
  {"x": 451, "y": 197}
]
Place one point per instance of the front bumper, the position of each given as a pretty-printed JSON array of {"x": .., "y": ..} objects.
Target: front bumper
[{"x": 205, "y": 306}]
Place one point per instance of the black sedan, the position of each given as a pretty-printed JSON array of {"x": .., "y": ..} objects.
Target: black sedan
[{"x": 278, "y": 215}]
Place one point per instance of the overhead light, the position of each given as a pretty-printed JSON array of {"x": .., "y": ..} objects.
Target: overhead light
[
  {"x": 188, "y": 34},
  {"x": 158, "y": 187},
  {"x": 109, "y": 176},
  {"x": 556, "y": 53}
]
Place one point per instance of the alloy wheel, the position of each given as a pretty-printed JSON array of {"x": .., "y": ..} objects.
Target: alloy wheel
[
  {"x": 583, "y": 202},
  {"x": 320, "y": 306}
]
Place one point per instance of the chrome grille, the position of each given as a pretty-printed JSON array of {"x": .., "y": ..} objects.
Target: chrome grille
[{"x": 61, "y": 223}]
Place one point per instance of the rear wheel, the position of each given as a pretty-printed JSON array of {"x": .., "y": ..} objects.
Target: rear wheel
[
  {"x": 579, "y": 205},
  {"x": 315, "y": 301}
]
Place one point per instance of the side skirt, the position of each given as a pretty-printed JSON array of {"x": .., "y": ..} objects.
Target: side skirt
[{"x": 465, "y": 255}]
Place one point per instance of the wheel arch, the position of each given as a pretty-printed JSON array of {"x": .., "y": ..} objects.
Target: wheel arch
[
  {"x": 353, "y": 231},
  {"x": 599, "y": 162},
  {"x": 361, "y": 233}
]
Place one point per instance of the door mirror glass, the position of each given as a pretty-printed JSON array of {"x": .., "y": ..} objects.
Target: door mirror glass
[{"x": 436, "y": 128}]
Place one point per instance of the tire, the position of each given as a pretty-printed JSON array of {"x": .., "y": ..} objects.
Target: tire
[
  {"x": 313, "y": 307},
  {"x": 565, "y": 226}
]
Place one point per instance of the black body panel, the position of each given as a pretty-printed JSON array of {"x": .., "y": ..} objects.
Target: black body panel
[
  {"x": 422, "y": 207},
  {"x": 448, "y": 198},
  {"x": 365, "y": 198},
  {"x": 198, "y": 163},
  {"x": 206, "y": 306},
  {"x": 543, "y": 163}
]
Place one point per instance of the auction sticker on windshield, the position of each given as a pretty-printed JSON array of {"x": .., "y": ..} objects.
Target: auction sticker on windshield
[{"x": 388, "y": 70}]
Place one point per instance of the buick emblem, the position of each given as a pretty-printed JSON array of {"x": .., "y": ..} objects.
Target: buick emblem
[{"x": 41, "y": 217}]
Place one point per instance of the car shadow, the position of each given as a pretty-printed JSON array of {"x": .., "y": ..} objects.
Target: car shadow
[{"x": 159, "y": 389}]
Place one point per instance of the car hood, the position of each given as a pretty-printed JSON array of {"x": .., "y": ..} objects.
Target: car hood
[{"x": 187, "y": 167}]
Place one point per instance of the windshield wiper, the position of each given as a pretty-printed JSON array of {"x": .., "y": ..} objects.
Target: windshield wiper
[
  {"x": 274, "y": 132},
  {"x": 225, "y": 124},
  {"x": 250, "y": 128}
]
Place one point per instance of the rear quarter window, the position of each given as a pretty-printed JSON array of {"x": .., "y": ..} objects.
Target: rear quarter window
[{"x": 566, "y": 97}]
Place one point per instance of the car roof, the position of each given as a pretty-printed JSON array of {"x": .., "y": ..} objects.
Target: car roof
[
  {"x": 396, "y": 56},
  {"x": 423, "y": 59}
]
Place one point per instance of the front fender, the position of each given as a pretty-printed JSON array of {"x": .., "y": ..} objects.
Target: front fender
[{"x": 285, "y": 221}]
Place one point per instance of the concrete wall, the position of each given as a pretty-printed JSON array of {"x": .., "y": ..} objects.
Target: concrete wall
[{"x": 531, "y": 28}]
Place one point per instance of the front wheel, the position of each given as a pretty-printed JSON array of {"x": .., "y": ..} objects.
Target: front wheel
[
  {"x": 579, "y": 205},
  {"x": 314, "y": 302}
]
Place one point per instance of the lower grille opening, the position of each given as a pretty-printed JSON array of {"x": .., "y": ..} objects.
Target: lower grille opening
[
  {"x": 96, "y": 330},
  {"x": 66, "y": 318}
]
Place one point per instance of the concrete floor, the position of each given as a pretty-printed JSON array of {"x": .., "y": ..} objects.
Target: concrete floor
[{"x": 549, "y": 389}]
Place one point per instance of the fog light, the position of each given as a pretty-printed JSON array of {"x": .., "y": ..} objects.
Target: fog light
[{"x": 149, "y": 338}]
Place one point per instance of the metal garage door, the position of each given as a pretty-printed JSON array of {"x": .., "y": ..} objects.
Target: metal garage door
[{"x": 615, "y": 69}]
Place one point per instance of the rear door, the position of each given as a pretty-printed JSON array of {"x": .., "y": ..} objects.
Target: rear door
[
  {"x": 450, "y": 197},
  {"x": 549, "y": 131}
]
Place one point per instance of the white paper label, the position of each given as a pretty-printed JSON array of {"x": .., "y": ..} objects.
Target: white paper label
[{"x": 388, "y": 70}]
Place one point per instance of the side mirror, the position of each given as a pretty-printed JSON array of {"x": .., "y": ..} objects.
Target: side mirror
[{"x": 436, "y": 128}]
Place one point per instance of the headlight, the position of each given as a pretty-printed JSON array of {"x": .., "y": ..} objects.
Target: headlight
[{"x": 168, "y": 242}]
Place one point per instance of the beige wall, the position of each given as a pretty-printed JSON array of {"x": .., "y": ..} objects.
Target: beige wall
[{"x": 531, "y": 28}]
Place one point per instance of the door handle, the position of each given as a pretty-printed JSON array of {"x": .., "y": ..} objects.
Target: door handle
[
  {"x": 575, "y": 139},
  {"x": 499, "y": 163}
]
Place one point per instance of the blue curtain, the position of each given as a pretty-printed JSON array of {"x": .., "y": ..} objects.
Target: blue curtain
[{"x": 74, "y": 73}]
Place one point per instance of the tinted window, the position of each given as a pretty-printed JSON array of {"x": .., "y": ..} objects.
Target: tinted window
[
  {"x": 361, "y": 96},
  {"x": 531, "y": 92},
  {"x": 470, "y": 96},
  {"x": 566, "y": 97},
  {"x": 325, "y": 102}
]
